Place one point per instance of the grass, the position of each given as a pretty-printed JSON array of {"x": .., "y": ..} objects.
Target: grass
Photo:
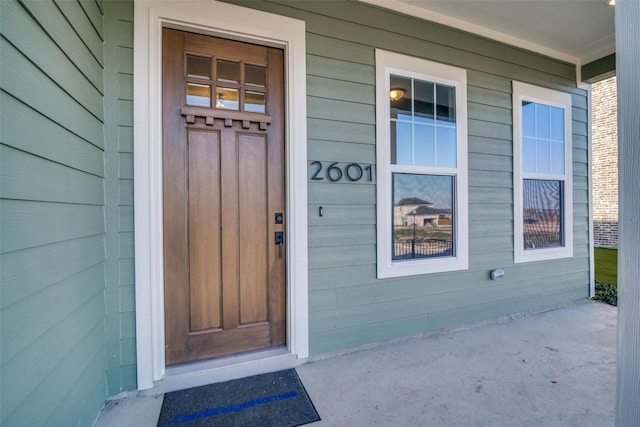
[{"x": 606, "y": 263}]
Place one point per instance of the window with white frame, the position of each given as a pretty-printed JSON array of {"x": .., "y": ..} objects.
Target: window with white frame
[
  {"x": 543, "y": 203},
  {"x": 421, "y": 128}
]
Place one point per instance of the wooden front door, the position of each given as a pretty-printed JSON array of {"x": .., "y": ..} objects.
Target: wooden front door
[{"x": 223, "y": 189}]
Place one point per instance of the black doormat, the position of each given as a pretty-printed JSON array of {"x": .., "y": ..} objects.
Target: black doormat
[{"x": 276, "y": 399}]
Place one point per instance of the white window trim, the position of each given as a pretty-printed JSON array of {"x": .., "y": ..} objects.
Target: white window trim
[
  {"x": 238, "y": 23},
  {"x": 388, "y": 63},
  {"x": 527, "y": 92}
]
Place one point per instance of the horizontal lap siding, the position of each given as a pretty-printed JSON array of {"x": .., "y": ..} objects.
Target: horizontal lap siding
[
  {"x": 349, "y": 306},
  {"x": 119, "y": 294},
  {"x": 52, "y": 368}
]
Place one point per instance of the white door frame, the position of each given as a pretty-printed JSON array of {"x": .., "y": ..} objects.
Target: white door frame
[{"x": 223, "y": 20}]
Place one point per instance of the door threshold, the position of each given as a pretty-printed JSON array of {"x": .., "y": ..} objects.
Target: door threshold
[{"x": 221, "y": 369}]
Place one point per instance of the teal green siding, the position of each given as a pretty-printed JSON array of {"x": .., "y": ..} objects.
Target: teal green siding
[
  {"x": 118, "y": 131},
  {"x": 52, "y": 360},
  {"x": 348, "y": 305},
  {"x": 67, "y": 280}
]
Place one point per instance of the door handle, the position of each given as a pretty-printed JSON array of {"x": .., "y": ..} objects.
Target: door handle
[{"x": 279, "y": 240}]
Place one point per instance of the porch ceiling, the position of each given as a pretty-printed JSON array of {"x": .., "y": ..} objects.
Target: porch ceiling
[{"x": 576, "y": 31}]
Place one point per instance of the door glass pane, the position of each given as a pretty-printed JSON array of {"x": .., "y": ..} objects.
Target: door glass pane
[
  {"x": 227, "y": 71},
  {"x": 255, "y": 75},
  {"x": 199, "y": 67},
  {"x": 423, "y": 216},
  {"x": 227, "y": 98},
  {"x": 446, "y": 103},
  {"x": 254, "y": 102},
  {"x": 542, "y": 214},
  {"x": 199, "y": 95}
]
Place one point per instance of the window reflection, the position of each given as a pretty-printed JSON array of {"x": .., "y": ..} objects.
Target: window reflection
[
  {"x": 543, "y": 149},
  {"x": 198, "y": 67},
  {"x": 542, "y": 214},
  {"x": 423, "y": 216},
  {"x": 227, "y": 98},
  {"x": 423, "y": 124},
  {"x": 254, "y": 102},
  {"x": 424, "y": 101},
  {"x": 446, "y": 98},
  {"x": 228, "y": 71},
  {"x": 198, "y": 95},
  {"x": 255, "y": 75}
]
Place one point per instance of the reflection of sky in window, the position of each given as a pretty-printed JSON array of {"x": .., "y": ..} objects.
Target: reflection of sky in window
[
  {"x": 423, "y": 124},
  {"x": 437, "y": 189},
  {"x": 542, "y": 138}
]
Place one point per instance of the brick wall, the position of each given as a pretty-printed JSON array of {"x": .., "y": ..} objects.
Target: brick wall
[{"x": 605, "y": 164}]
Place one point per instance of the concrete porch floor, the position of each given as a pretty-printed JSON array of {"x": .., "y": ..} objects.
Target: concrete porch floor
[{"x": 549, "y": 368}]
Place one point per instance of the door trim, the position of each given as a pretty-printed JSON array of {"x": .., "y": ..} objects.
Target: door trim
[{"x": 220, "y": 20}]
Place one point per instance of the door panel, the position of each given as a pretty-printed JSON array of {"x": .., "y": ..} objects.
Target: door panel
[
  {"x": 204, "y": 229},
  {"x": 223, "y": 181},
  {"x": 253, "y": 213}
]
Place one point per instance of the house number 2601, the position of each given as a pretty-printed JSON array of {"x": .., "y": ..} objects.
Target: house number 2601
[{"x": 334, "y": 173}]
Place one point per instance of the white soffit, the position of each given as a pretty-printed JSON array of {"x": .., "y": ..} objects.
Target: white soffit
[{"x": 575, "y": 31}]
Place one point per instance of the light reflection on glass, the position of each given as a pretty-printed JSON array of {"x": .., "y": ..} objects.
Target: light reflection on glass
[
  {"x": 446, "y": 146},
  {"x": 227, "y": 98},
  {"x": 198, "y": 67},
  {"x": 425, "y": 147},
  {"x": 401, "y": 143},
  {"x": 255, "y": 75},
  {"x": 198, "y": 95},
  {"x": 543, "y": 142},
  {"x": 423, "y": 216},
  {"x": 542, "y": 214},
  {"x": 423, "y": 124},
  {"x": 227, "y": 71},
  {"x": 254, "y": 102}
]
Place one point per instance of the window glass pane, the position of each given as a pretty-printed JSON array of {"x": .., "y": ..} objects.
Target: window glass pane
[
  {"x": 557, "y": 123},
  {"x": 528, "y": 119},
  {"x": 254, "y": 102},
  {"x": 446, "y": 103},
  {"x": 199, "y": 67},
  {"x": 401, "y": 148},
  {"x": 227, "y": 71},
  {"x": 199, "y": 95},
  {"x": 227, "y": 98},
  {"x": 401, "y": 101},
  {"x": 542, "y": 121},
  {"x": 423, "y": 101},
  {"x": 255, "y": 75},
  {"x": 446, "y": 147},
  {"x": 542, "y": 214},
  {"x": 542, "y": 138},
  {"x": 529, "y": 155},
  {"x": 557, "y": 158},
  {"x": 424, "y": 145},
  {"x": 543, "y": 164},
  {"x": 423, "y": 216}
]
